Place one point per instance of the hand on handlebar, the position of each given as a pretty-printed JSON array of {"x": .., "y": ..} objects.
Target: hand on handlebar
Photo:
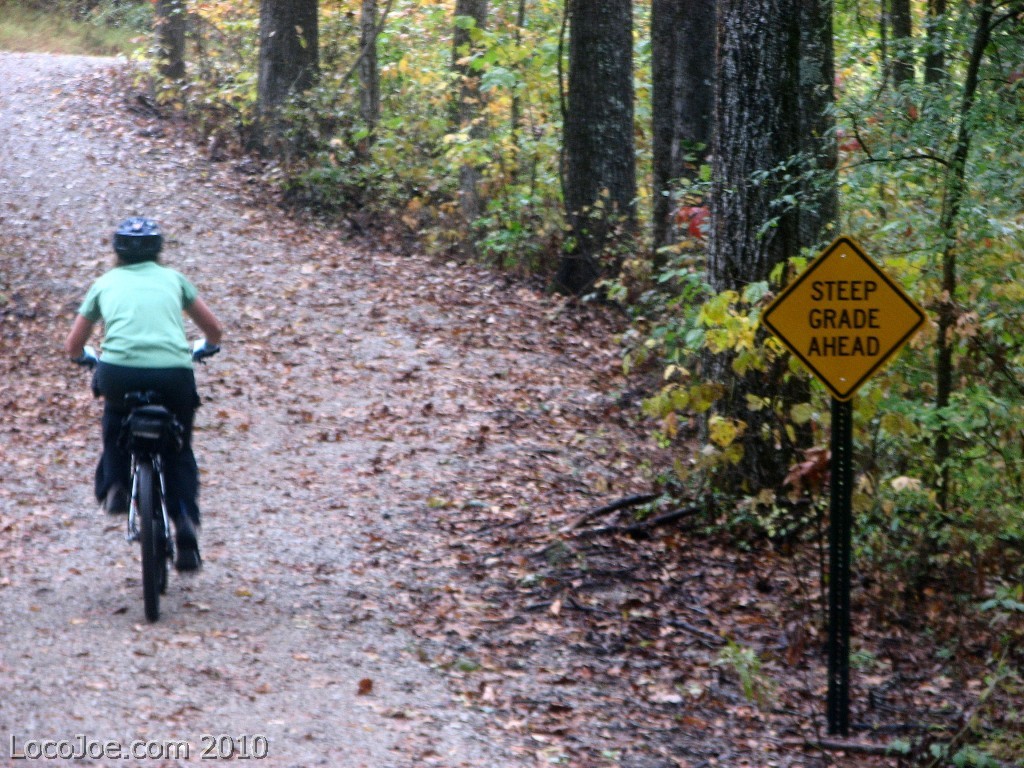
[
  {"x": 201, "y": 350},
  {"x": 88, "y": 358}
]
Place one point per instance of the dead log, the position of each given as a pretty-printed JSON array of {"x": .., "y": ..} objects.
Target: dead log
[
  {"x": 607, "y": 509},
  {"x": 640, "y": 529}
]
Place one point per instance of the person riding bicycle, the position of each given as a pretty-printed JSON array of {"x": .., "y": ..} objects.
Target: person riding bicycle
[{"x": 145, "y": 349}]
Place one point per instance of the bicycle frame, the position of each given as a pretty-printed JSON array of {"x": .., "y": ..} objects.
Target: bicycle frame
[{"x": 132, "y": 533}]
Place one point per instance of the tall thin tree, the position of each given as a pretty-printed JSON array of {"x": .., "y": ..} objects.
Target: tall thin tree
[
  {"x": 935, "y": 47},
  {"x": 901, "y": 61},
  {"x": 170, "y": 21},
  {"x": 369, "y": 73},
  {"x": 517, "y": 98},
  {"x": 466, "y": 106},
  {"x": 682, "y": 100},
  {"x": 954, "y": 197}
]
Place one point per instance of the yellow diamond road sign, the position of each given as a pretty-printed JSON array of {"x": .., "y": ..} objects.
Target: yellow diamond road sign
[{"x": 843, "y": 317}]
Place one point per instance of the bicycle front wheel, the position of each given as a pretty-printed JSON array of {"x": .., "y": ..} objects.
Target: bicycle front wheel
[{"x": 152, "y": 539}]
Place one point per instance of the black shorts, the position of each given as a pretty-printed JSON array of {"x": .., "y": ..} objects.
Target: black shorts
[{"x": 175, "y": 386}]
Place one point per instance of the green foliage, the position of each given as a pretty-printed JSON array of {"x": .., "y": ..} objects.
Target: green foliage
[
  {"x": 894, "y": 173},
  {"x": 690, "y": 324},
  {"x": 745, "y": 663},
  {"x": 894, "y": 169},
  {"x": 107, "y": 27},
  {"x": 135, "y": 17},
  {"x": 410, "y": 160},
  {"x": 220, "y": 91}
]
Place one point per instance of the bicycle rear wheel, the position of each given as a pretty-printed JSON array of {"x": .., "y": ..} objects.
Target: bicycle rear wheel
[{"x": 153, "y": 539}]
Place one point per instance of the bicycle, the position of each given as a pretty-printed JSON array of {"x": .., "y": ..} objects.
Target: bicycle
[{"x": 150, "y": 432}]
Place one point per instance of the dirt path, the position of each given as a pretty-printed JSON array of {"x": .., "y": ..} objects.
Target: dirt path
[{"x": 357, "y": 391}]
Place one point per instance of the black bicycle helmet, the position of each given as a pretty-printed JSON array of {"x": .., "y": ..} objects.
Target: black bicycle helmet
[{"x": 138, "y": 239}]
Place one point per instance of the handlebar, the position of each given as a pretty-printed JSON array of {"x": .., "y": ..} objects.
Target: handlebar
[
  {"x": 200, "y": 351},
  {"x": 88, "y": 358}
]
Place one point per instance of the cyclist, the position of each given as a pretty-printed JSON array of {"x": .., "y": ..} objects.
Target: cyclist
[{"x": 145, "y": 349}]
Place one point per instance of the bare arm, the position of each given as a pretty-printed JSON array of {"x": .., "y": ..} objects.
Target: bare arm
[
  {"x": 74, "y": 344},
  {"x": 207, "y": 322}
]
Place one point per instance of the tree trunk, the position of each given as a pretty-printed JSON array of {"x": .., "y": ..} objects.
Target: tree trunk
[
  {"x": 600, "y": 163},
  {"x": 952, "y": 203},
  {"x": 289, "y": 59},
  {"x": 170, "y": 18},
  {"x": 682, "y": 101},
  {"x": 466, "y": 111},
  {"x": 757, "y": 129},
  {"x": 935, "y": 50},
  {"x": 516, "y": 98},
  {"x": 819, "y": 198},
  {"x": 769, "y": 94},
  {"x": 902, "y": 61},
  {"x": 369, "y": 73}
]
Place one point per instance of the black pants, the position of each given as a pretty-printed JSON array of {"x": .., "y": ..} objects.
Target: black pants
[{"x": 177, "y": 390}]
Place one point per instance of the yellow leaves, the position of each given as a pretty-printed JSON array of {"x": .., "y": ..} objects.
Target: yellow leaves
[
  {"x": 899, "y": 424},
  {"x": 718, "y": 308},
  {"x": 1010, "y": 290},
  {"x": 672, "y": 370},
  {"x": 801, "y": 413},
  {"x": 730, "y": 330},
  {"x": 903, "y": 483},
  {"x": 723, "y": 432},
  {"x": 756, "y": 403},
  {"x": 704, "y": 395},
  {"x": 220, "y": 12}
]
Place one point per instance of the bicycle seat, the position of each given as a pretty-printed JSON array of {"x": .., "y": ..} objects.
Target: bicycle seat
[{"x": 136, "y": 399}]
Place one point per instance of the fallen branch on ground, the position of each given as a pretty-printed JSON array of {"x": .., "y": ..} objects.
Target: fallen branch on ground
[
  {"x": 709, "y": 639},
  {"x": 642, "y": 528},
  {"x": 850, "y": 747},
  {"x": 615, "y": 506},
  {"x": 860, "y": 748}
]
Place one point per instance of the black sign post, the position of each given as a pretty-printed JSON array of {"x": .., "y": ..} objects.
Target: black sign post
[{"x": 840, "y": 544}]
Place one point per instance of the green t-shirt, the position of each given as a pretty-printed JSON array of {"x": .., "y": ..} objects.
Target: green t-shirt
[{"x": 140, "y": 306}]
